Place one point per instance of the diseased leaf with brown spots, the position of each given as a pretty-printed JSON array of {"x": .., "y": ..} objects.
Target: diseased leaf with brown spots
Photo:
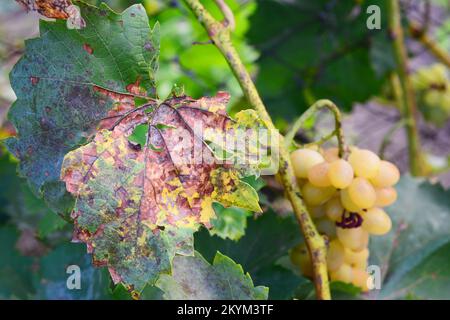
[
  {"x": 68, "y": 81},
  {"x": 139, "y": 205}
]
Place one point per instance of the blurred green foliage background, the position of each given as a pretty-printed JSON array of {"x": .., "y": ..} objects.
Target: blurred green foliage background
[{"x": 297, "y": 51}]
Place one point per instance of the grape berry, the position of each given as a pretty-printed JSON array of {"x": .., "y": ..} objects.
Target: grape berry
[{"x": 345, "y": 199}]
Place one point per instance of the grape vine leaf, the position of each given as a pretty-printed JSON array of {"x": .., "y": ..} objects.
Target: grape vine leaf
[
  {"x": 15, "y": 269},
  {"x": 267, "y": 239},
  {"x": 120, "y": 292},
  {"x": 422, "y": 275},
  {"x": 50, "y": 223},
  {"x": 52, "y": 276},
  {"x": 65, "y": 84},
  {"x": 229, "y": 222},
  {"x": 193, "y": 278},
  {"x": 180, "y": 63},
  {"x": 420, "y": 235},
  {"x": 17, "y": 203},
  {"x": 139, "y": 205},
  {"x": 301, "y": 59}
]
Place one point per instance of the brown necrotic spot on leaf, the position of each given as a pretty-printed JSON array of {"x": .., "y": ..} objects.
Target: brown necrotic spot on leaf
[
  {"x": 45, "y": 124},
  {"x": 34, "y": 80},
  {"x": 88, "y": 48},
  {"x": 135, "y": 146},
  {"x": 48, "y": 8},
  {"x": 134, "y": 88},
  {"x": 123, "y": 104},
  {"x": 148, "y": 46}
]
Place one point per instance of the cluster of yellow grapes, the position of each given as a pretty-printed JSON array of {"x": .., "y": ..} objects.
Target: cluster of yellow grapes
[{"x": 345, "y": 198}]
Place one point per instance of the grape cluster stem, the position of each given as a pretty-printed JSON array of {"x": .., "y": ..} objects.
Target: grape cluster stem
[
  {"x": 220, "y": 34},
  {"x": 320, "y": 104}
]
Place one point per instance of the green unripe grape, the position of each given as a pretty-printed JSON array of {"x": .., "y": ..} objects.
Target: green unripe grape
[
  {"x": 426, "y": 77},
  {"x": 433, "y": 98}
]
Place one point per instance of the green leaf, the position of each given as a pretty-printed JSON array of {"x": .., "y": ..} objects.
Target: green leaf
[
  {"x": 343, "y": 291},
  {"x": 229, "y": 222},
  {"x": 283, "y": 283},
  {"x": 256, "y": 183},
  {"x": 119, "y": 292},
  {"x": 421, "y": 224},
  {"x": 51, "y": 280},
  {"x": 420, "y": 215},
  {"x": 15, "y": 270},
  {"x": 50, "y": 223},
  {"x": 17, "y": 202},
  {"x": 193, "y": 278},
  {"x": 180, "y": 61},
  {"x": 423, "y": 275},
  {"x": 68, "y": 81},
  {"x": 382, "y": 56},
  {"x": 267, "y": 239},
  {"x": 298, "y": 54},
  {"x": 9, "y": 184},
  {"x": 139, "y": 135},
  {"x": 150, "y": 292}
]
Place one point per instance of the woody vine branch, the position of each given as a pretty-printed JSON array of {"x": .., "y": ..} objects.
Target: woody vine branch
[{"x": 220, "y": 35}]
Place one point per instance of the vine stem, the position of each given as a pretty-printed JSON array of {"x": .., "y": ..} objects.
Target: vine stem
[
  {"x": 320, "y": 104},
  {"x": 227, "y": 13},
  {"x": 420, "y": 35},
  {"x": 220, "y": 34},
  {"x": 409, "y": 108}
]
